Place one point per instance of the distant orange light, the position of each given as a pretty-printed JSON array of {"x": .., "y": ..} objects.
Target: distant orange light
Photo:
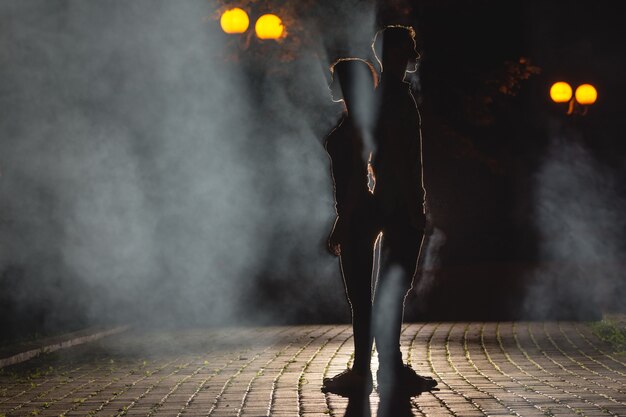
[
  {"x": 561, "y": 92},
  {"x": 234, "y": 21},
  {"x": 586, "y": 94},
  {"x": 269, "y": 26}
]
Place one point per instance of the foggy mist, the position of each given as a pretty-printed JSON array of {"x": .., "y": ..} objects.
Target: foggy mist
[
  {"x": 580, "y": 220},
  {"x": 147, "y": 173},
  {"x": 154, "y": 168}
]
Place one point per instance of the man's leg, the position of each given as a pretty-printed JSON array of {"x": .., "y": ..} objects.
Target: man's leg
[
  {"x": 401, "y": 250},
  {"x": 399, "y": 256}
]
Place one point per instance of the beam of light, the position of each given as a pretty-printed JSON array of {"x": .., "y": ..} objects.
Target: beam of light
[
  {"x": 561, "y": 92},
  {"x": 269, "y": 26},
  {"x": 586, "y": 94},
  {"x": 234, "y": 21}
]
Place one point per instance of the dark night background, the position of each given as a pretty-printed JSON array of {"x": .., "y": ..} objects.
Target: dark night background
[{"x": 495, "y": 149}]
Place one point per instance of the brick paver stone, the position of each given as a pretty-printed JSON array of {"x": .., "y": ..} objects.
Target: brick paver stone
[{"x": 484, "y": 369}]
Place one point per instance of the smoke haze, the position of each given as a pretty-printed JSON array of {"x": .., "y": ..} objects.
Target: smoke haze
[
  {"x": 152, "y": 167},
  {"x": 145, "y": 172},
  {"x": 579, "y": 217}
]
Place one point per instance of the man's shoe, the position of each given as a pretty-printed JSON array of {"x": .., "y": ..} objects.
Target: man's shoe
[
  {"x": 404, "y": 379},
  {"x": 349, "y": 382}
]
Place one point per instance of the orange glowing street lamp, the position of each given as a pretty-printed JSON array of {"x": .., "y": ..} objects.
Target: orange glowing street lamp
[
  {"x": 269, "y": 26},
  {"x": 561, "y": 92},
  {"x": 234, "y": 21},
  {"x": 585, "y": 95}
]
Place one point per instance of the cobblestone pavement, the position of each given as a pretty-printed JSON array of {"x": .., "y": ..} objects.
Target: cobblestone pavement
[{"x": 495, "y": 369}]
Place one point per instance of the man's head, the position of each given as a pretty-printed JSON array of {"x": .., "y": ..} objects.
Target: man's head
[{"x": 398, "y": 49}]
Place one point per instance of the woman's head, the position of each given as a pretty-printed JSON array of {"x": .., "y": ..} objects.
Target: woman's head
[{"x": 352, "y": 79}]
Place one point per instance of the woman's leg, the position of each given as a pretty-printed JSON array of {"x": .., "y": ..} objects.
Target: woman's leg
[{"x": 357, "y": 255}]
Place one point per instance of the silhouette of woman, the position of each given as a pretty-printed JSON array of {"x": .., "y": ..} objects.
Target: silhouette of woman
[{"x": 354, "y": 231}]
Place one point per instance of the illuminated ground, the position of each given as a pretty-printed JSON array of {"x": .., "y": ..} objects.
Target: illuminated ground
[{"x": 524, "y": 369}]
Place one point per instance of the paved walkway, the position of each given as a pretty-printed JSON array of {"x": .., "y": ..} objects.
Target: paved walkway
[{"x": 495, "y": 369}]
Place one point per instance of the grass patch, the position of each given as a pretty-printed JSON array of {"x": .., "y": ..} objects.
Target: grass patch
[{"x": 612, "y": 329}]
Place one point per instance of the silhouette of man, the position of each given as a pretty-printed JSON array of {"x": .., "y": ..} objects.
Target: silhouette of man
[
  {"x": 399, "y": 197},
  {"x": 355, "y": 230}
]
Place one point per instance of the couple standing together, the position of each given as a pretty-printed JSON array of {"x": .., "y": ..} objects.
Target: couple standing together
[{"x": 376, "y": 164}]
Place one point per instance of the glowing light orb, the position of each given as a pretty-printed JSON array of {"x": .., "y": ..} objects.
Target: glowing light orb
[
  {"x": 560, "y": 92},
  {"x": 586, "y": 94},
  {"x": 269, "y": 26},
  {"x": 234, "y": 21}
]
